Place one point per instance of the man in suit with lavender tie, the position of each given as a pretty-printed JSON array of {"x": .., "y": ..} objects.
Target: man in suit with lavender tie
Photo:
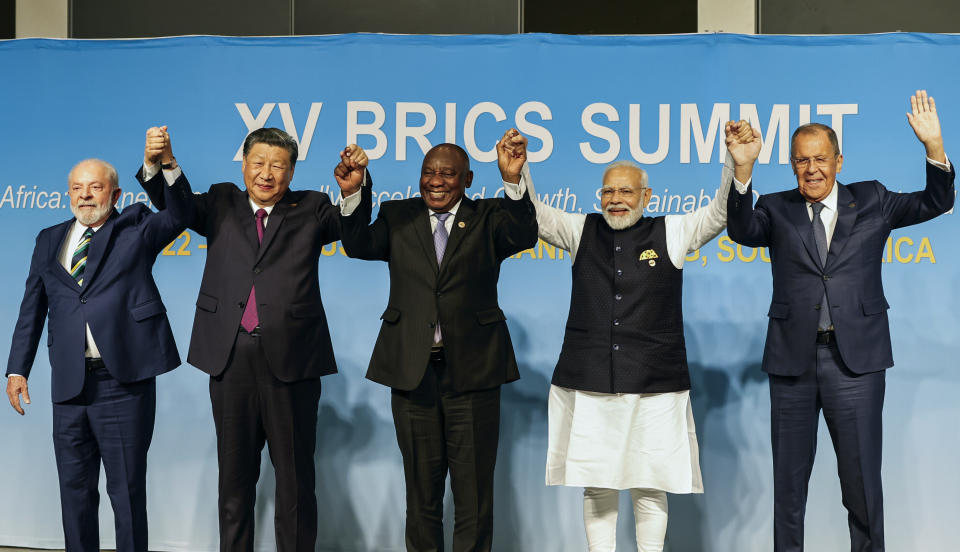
[{"x": 443, "y": 347}]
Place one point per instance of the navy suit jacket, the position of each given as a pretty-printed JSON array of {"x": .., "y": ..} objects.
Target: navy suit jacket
[
  {"x": 118, "y": 299},
  {"x": 867, "y": 212}
]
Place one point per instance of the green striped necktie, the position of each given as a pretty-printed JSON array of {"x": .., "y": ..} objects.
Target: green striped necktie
[{"x": 79, "y": 261}]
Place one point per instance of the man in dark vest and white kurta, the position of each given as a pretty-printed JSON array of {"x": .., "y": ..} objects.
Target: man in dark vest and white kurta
[{"x": 619, "y": 408}]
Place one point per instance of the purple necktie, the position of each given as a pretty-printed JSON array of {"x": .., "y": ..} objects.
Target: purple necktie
[
  {"x": 250, "y": 320},
  {"x": 440, "y": 244}
]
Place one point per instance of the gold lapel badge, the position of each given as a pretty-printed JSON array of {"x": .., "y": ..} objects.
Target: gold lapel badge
[
  {"x": 649, "y": 255},
  {"x": 462, "y": 224}
]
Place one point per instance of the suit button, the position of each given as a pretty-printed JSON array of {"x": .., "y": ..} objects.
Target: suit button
[
  {"x": 257, "y": 270},
  {"x": 240, "y": 304},
  {"x": 616, "y": 321},
  {"x": 617, "y": 249},
  {"x": 826, "y": 277},
  {"x": 619, "y": 272},
  {"x": 432, "y": 324},
  {"x": 439, "y": 294},
  {"x": 618, "y": 297},
  {"x": 616, "y": 347},
  {"x": 83, "y": 300},
  {"x": 816, "y": 307}
]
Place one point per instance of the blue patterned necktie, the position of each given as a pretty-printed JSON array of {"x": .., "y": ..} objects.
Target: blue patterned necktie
[
  {"x": 440, "y": 237},
  {"x": 78, "y": 263},
  {"x": 820, "y": 235}
]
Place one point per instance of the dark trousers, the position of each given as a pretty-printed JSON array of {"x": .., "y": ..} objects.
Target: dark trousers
[
  {"x": 251, "y": 407},
  {"x": 440, "y": 430},
  {"x": 852, "y": 407},
  {"x": 111, "y": 422}
]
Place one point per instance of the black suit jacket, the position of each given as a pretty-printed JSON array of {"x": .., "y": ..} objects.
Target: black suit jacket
[
  {"x": 461, "y": 293},
  {"x": 867, "y": 211},
  {"x": 293, "y": 324}
]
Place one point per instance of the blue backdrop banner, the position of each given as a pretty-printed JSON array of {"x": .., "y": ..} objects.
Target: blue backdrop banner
[{"x": 583, "y": 102}]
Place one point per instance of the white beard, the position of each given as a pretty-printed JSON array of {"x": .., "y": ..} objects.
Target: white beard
[
  {"x": 622, "y": 222},
  {"x": 98, "y": 213}
]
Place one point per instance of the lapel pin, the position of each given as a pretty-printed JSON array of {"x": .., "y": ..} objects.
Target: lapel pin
[
  {"x": 293, "y": 205},
  {"x": 653, "y": 262},
  {"x": 852, "y": 204},
  {"x": 462, "y": 224}
]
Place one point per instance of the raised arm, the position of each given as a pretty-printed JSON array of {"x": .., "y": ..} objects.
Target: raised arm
[
  {"x": 160, "y": 170},
  {"x": 161, "y": 228},
  {"x": 937, "y": 197},
  {"x": 555, "y": 226},
  {"x": 360, "y": 239},
  {"x": 745, "y": 225}
]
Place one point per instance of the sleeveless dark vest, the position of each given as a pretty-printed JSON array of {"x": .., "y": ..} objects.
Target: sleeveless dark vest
[{"x": 625, "y": 328}]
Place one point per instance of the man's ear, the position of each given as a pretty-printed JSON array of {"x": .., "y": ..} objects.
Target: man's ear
[
  {"x": 647, "y": 195},
  {"x": 468, "y": 179},
  {"x": 116, "y": 196}
]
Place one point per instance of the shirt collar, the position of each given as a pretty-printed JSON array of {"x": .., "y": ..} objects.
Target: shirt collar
[
  {"x": 830, "y": 202},
  {"x": 256, "y": 207},
  {"x": 452, "y": 211}
]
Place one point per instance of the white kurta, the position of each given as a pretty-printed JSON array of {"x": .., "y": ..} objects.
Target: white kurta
[{"x": 627, "y": 440}]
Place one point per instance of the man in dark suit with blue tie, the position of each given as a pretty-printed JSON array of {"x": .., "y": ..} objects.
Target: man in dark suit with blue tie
[
  {"x": 108, "y": 338},
  {"x": 828, "y": 338}
]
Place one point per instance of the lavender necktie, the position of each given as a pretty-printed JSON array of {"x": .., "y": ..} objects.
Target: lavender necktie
[
  {"x": 250, "y": 319},
  {"x": 440, "y": 244},
  {"x": 820, "y": 236}
]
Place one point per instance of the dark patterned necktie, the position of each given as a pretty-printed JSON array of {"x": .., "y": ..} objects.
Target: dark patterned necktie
[
  {"x": 820, "y": 235},
  {"x": 251, "y": 319},
  {"x": 78, "y": 263}
]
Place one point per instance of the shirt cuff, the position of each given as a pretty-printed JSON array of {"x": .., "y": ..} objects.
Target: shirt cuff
[
  {"x": 741, "y": 187},
  {"x": 516, "y": 191},
  {"x": 171, "y": 176},
  {"x": 350, "y": 203},
  {"x": 939, "y": 165},
  {"x": 16, "y": 376}
]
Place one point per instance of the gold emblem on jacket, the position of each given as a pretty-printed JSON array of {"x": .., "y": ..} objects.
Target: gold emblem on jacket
[{"x": 649, "y": 255}]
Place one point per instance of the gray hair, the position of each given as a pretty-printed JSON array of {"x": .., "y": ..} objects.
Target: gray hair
[
  {"x": 625, "y": 164},
  {"x": 111, "y": 171}
]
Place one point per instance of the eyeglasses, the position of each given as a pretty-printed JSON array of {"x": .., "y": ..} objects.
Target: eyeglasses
[
  {"x": 624, "y": 192},
  {"x": 818, "y": 161}
]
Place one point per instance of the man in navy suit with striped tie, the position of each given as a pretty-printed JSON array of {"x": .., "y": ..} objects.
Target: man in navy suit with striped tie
[{"x": 108, "y": 338}]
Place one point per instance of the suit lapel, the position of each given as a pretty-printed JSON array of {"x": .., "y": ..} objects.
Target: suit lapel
[
  {"x": 57, "y": 245},
  {"x": 98, "y": 247},
  {"x": 461, "y": 225},
  {"x": 277, "y": 215},
  {"x": 421, "y": 227},
  {"x": 247, "y": 220},
  {"x": 846, "y": 216},
  {"x": 799, "y": 216}
]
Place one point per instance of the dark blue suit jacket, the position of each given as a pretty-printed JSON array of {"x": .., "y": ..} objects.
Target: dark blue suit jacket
[
  {"x": 118, "y": 299},
  {"x": 867, "y": 212}
]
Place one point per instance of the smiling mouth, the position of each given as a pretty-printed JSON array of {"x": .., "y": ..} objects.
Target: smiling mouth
[{"x": 438, "y": 195}]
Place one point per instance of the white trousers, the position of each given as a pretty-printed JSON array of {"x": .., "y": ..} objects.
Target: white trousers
[{"x": 600, "y": 518}]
